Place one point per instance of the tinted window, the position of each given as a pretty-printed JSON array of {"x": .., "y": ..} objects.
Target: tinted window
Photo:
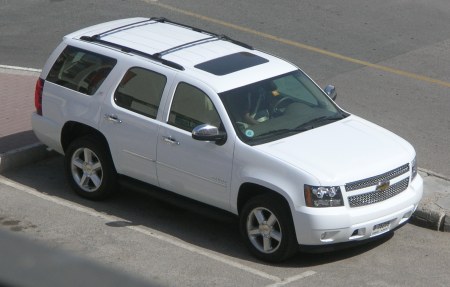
[
  {"x": 289, "y": 86},
  {"x": 140, "y": 91},
  {"x": 80, "y": 70},
  {"x": 192, "y": 107}
]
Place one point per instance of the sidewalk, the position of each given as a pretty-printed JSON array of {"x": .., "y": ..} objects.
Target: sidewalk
[
  {"x": 19, "y": 146},
  {"x": 17, "y": 103}
]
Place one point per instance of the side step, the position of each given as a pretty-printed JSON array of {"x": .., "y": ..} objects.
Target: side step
[{"x": 177, "y": 200}]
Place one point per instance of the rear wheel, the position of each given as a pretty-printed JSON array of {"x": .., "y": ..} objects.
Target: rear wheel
[
  {"x": 89, "y": 168},
  {"x": 267, "y": 228}
]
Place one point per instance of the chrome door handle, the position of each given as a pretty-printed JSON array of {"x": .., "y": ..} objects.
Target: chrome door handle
[
  {"x": 113, "y": 118},
  {"x": 170, "y": 140}
]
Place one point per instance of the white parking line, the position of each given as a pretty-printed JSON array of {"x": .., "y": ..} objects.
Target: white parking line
[
  {"x": 157, "y": 235},
  {"x": 6, "y": 67},
  {"x": 292, "y": 279}
]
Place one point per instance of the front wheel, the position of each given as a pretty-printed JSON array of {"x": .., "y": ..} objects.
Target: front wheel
[
  {"x": 89, "y": 168},
  {"x": 267, "y": 228}
]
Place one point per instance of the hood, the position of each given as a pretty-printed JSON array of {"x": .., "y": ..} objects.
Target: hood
[{"x": 344, "y": 151}]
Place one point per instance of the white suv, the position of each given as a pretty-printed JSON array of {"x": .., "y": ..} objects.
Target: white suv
[{"x": 200, "y": 115}]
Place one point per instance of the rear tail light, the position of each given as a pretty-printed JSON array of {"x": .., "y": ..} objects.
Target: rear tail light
[{"x": 38, "y": 96}]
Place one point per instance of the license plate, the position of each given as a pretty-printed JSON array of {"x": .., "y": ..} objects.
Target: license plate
[{"x": 381, "y": 228}]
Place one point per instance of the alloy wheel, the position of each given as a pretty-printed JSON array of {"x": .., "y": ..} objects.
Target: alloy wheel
[
  {"x": 264, "y": 230},
  {"x": 86, "y": 169}
]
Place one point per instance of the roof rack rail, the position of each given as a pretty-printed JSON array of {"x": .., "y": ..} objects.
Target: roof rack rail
[
  {"x": 219, "y": 36},
  {"x": 127, "y": 26},
  {"x": 188, "y": 44},
  {"x": 158, "y": 56},
  {"x": 97, "y": 39}
]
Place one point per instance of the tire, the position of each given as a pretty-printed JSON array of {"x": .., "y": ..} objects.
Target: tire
[
  {"x": 267, "y": 228},
  {"x": 89, "y": 168}
]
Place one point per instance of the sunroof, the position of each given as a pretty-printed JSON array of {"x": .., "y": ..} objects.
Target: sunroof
[{"x": 231, "y": 63}]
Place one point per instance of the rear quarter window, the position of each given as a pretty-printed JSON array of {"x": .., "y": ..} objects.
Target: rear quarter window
[{"x": 80, "y": 70}]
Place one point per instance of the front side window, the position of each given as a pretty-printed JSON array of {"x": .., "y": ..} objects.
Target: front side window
[
  {"x": 80, "y": 70},
  {"x": 279, "y": 107},
  {"x": 192, "y": 107},
  {"x": 140, "y": 91}
]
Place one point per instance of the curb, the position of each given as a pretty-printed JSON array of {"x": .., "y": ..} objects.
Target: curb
[
  {"x": 429, "y": 213},
  {"x": 432, "y": 219},
  {"x": 23, "y": 156}
]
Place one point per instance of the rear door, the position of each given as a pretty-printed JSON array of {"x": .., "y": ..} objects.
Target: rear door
[{"x": 130, "y": 120}]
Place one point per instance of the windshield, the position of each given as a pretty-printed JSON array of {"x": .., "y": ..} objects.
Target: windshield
[{"x": 279, "y": 107}]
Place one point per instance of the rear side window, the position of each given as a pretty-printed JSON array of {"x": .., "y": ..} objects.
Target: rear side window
[
  {"x": 80, "y": 70},
  {"x": 140, "y": 91}
]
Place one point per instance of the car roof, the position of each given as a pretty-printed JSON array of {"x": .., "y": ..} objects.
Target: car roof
[{"x": 217, "y": 60}]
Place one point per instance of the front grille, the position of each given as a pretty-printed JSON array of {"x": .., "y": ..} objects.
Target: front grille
[
  {"x": 378, "y": 195},
  {"x": 377, "y": 179}
]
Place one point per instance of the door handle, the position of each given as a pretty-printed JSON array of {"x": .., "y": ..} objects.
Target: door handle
[
  {"x": 170, "y": 140},
  {"x": 113, "y": 118}
]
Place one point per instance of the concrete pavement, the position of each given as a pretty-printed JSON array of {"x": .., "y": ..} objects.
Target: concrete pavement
[{"x": 19, "y": 146}]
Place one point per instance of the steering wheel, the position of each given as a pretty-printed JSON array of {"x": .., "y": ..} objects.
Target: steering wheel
[{"x": 280, "y": 106}]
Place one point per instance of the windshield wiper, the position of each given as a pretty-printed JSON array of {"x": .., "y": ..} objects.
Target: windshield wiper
[
  {"x": 274, "y": 132},
  {"x": 286, "y": 131},
  {"x": 309, "y": 125},
  {"x": 318, "y": 120}
]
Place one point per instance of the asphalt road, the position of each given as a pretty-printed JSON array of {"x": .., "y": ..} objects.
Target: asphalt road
[
  {"x": 388, "y": 59},
  {"x": 157, "y": 243}
]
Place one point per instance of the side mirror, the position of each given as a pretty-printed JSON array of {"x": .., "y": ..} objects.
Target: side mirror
[
  {"x": 208, "y": 132},
  {"x": 330, "y": 90}
]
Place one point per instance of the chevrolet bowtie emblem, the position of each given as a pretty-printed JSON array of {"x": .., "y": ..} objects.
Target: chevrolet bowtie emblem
[{"x": 383, "y": 186}]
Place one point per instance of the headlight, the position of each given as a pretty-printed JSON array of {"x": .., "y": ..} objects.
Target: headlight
[
  {"x": 413, "y": 169},
  {"x": 323, "y": 196}
]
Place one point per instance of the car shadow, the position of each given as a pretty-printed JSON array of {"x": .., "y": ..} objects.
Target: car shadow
[
  {"x": 20, "y": 139},
  {"x": 214, "y": 232}
]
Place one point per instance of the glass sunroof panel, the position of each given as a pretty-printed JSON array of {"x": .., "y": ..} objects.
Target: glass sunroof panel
[{"x": 231, "y": 63}]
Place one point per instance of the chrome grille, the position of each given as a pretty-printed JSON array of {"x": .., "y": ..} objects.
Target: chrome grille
[
  {"x": 377, "y": 196},
  {"x": 376, "y": 179}
]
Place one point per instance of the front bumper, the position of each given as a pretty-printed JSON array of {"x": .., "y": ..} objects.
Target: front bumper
[{"x": 324, "y": 226}]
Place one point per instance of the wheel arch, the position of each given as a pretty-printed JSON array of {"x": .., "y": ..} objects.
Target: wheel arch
[
  {"x": 249, "y": 190},
  {"x": 87, "y": 162},
  {"x": 286, "y": 244},
  {"x": 73, "y": 130}
]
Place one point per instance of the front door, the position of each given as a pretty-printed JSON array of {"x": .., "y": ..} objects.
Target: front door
[{"x": 197, "y": 169}]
